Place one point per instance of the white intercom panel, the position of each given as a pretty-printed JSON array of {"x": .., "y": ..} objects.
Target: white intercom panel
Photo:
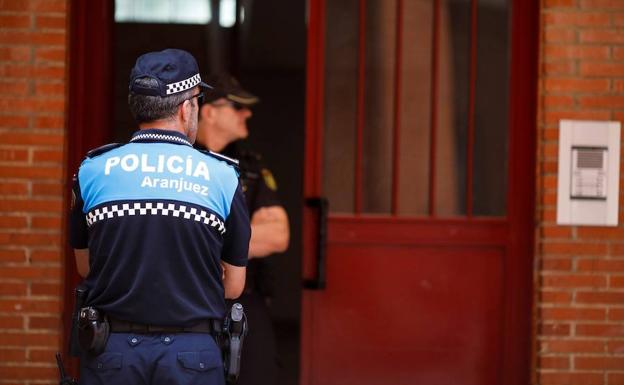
[{"x": 589, "y": 173}]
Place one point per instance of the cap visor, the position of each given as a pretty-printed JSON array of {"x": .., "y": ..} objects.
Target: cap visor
[
  {"x": 206, "y": 86},
  {"x": 243, "y": 98}
]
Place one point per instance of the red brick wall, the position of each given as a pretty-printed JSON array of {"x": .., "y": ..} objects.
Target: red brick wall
[
  {"x": 580, "y": 285},
  {"x": 32, "y": 121}
]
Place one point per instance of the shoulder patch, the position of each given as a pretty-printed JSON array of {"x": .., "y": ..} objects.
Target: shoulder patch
[
  {"x": 102, "y": 149},
  {"x": 224, "y": 158}
]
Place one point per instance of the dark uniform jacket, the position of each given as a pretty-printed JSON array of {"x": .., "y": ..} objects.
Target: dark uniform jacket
[{"x": 158, "y": 217}]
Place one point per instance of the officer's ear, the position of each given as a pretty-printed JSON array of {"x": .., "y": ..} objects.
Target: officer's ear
[{"x": 207, "y": 112}]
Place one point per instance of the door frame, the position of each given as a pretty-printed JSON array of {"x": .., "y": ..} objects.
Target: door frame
[{"x": 517, "y": 323}]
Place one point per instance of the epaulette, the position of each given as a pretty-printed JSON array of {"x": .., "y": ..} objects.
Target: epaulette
[
  {"x": 224, "y": 158},
  {"x": 102, "y": 149}
]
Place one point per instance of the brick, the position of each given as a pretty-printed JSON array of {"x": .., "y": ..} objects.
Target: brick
[
  {"x": 553, "y": 117},
  {"x": 616, "y": 281},
  {"x": 558, "y": 35},
  {"x": 34, "y": 5},
  {"x": 8, "y": 121},
  {"x": 601, "y": 36},
  {"x": 29, "y": 272},
  {"x": 600, "y": 330},
  {"x": 12, "y": 222},
  {"x": 617, "y": 249},
  {"x": 606, "y": 4},
  {"x": 558, "y": 101},
  {"x": 11, "y": 322},
  {"x": 553, "y": 362},
  {"x": 31, "y": 139},
  {"x": 28, "y": 306},
  {"x": 12, "y": 255},
  {"x": 607, "y": 102},
  {"x": 618, "y": 19},
  {"x": 574, "y": 346},
  {"x": 616, "y": 314},
  {"x": 576, "y": 85},
  {"x": 51, "y": 22},
  {"x": 49, "y": 289},
  {"x": 13, "y": 155},
  {"x": 567, "y": 378},
  {"x": 45, "y": 256},
  {"x": 30, "y": 239},
  {"x": 47, "y": 189},
  {"x": 572, "y": 248},
  {"x": 559, "y": 3},
  {"x": 573, "y": 281},
  {"x": 592, "y": 69},
  {"x": 30, "y": 372},
  {"x": 13, "y": 188},
  {"x": 598, "y": 233},
  {"x": 549, "y": 182},
  {"x": 551, "y": 149},
  {"x": 12, "y": 355},
  {"x": 557, "y": 297},
  {"x": 56, "y": 122},
  {"x": 40, "y": 71},
  {"x": 15, "y": 53},
  {"x": 46, "y": 223},
  {"x": 46, "y": 54},
  {"x": 610, "y": 265},
  {"x": 13, "y": 288},
  {"x": 618, "y": 53},
  {"x": 16, "y": 88},
  {"x": 549, "y": 167},
  {"x": 600, "y": 297},
  {"x": 615, "y": 347},
  {"x": 38, "y": 172},
  {"x": 41, "y": 355},
  {"x": 615, "y": 378},
  {"x": 48, "y": 38},
  {"x": 48, "y": 205},
  {"x": 558, "y": 264},
  {"x": 556, "y": 232},
  {"x": 567, "y": 313},
  {"x": 581, "y": 19},
  {"x": 554, "y": 329},
  {"x": 15, "y": 20},
  {"x": 48, "y": 156},
  {"x": 18, "y": 104},
  {"x": 551, "y": 134},
  {"x": 49, "y": 89},
  {"x": 560, "y": 67},
  {"x": 599, "y": 363},
  {"x": 53, "y": 323}
]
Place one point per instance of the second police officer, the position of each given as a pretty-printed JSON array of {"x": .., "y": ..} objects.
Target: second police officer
[
  {"x": 222, "y": 126},
  {"x": 161, "y": 233}
]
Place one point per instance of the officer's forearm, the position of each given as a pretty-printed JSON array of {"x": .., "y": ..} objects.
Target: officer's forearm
[
  {"x": 268, "y": 238},
  {"x": 233, "y": 280}
]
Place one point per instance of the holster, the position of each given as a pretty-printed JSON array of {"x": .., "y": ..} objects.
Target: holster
[
  {"x": 93, "y": 331},
  {"x": 231, "y": 340}
]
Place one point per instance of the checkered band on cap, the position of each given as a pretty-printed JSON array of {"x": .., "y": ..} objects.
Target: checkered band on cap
[
  {"x": 186, "y": 84},
  {"x": 176, "y": 210}
]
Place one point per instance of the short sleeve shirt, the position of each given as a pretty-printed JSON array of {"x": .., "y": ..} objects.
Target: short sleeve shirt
[{"x": 158, "y": 217}]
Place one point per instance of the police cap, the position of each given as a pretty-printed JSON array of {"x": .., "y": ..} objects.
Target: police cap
[
  {"x": 175, "y": 71},
  {"x": 226, "y": 86}
]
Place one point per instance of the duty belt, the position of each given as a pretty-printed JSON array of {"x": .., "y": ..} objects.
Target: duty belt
[{"x": 120, "y": 326}]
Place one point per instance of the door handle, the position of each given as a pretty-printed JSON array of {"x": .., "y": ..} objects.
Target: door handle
[{"x": 322, "y": 205}]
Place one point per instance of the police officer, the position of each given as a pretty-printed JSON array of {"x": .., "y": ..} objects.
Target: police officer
[
  {"x": 222, "y": 125},
  {"x": 161, "y": 235}
]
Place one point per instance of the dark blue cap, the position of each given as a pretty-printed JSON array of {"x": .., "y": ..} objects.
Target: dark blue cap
[{"x": 175, "y": 71}]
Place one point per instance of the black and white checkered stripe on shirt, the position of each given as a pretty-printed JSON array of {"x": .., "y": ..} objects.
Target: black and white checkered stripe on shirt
[
  {"x": 161, "y": 137},
  {"x": 155, "y": 208},
  {"x": 173, "y": 88}
]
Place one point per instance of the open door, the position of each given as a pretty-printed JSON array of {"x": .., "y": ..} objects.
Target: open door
[{"x": 419, "y": 192}]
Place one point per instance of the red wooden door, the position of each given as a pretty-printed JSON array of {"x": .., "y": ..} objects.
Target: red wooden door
[{"x": 419, "y": 270}]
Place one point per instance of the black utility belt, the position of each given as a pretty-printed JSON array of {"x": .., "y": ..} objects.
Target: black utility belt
[{"x": 121, "y": 326}]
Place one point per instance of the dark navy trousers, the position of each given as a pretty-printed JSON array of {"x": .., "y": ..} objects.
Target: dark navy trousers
[{"x": 155, "y": 359}]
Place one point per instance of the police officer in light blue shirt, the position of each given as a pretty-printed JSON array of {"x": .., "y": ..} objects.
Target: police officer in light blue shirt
[{"x": 161, "y": 235}]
